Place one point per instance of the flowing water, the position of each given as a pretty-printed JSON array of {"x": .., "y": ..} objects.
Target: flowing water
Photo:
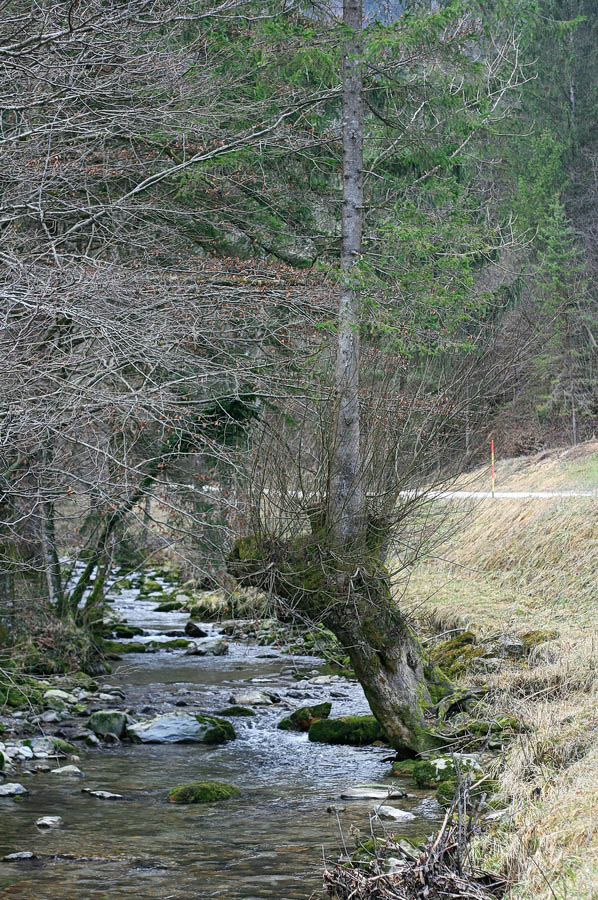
[{"x": 267, "y": 843}]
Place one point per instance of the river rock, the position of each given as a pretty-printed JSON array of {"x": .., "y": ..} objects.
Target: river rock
[
  {"x": 195, "y": 630},
  {"x": 391, "y": 812},
  {"x": 176, "y": 728},
  {"x": 108, "y": 721},
  {"x": 21, "y": 854},
  {"x": 102, "y": 795},
  {"x": 12, "y": 789},
  {"x": 68, "y": 772},
  {"x": 252, "y": 698},
  {"x": 303, "y": 718},
  {"x": 355, "y": 731},
  {"x": 57, "y": 699},
  {"x": 210, "y": 648},
  {"x": 372, "y": 792},
  {"x": 49, "y": 822},
  {"x": 325, "y": 679}
]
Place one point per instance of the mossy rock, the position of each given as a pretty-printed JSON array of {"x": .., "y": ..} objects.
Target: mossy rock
[
  {"x": 355, "y": 731},
  {"x": 203, "y": 792},
  {"x": 151, "y": 586},
  {"x": 174, "y": 644},
  {"x": 108, "y": 721},
  {"x": 236, "y": 711},
  {"x": 446, "y": 790},
  {"x": 453, "y": 656},
  {"x": 19, "y": 697},
  {"x": 219, "y": 731},
  {"x": 302, "y": 719},
  {"x": 531, "y": 639},
  {"x": 123, "y": 630},
  {"x": 169, "y": 606},
  {"x": 130, "y": 647},
  {"x": 428, "y": 773},
  {"x": 403, "y": 768}
]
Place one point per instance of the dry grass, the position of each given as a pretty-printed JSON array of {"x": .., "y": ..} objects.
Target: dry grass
[{"x": 520, "y": 565}]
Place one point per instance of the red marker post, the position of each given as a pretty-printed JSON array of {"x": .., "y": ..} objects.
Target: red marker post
[{"x": 492, "y": 465}]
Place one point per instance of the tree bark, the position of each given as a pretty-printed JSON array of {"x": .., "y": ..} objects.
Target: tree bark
[{"x": 346, "y": 502}]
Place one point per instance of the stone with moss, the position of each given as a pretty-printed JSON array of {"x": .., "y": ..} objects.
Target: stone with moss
[
  {"x": 119, "y": 647},
  {"x": 173, "y": 644},
  {"x": 124, "y": 630},
  {"x": 302, "y": 719},
  {"x": 455, "y": 655},
  {"x": 203, "y": 792},
  {"x": 236, "y": 711},
  {"x": 151, "y": 586},
  {"x": 531, "y": 639},
  {"x": 355, "y": 731},
  {"x": 403, "y": 768},
  {"x": 108, "y": 721},
  {"x": 446, "y": 790},
  {"x": 169, "y": 606},
  {"x": 428, "y": 773}
]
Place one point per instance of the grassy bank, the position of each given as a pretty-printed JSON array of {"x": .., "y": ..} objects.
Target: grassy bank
[{"x": 513, "y": 567}]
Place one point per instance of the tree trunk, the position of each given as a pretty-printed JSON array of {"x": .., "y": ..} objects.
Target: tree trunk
[
  {"x": 48, "y": 538},
  {"x": 335, "y": 575},
  {"x": 346, "y": 502},
  {"x": 384, "y": 651}
]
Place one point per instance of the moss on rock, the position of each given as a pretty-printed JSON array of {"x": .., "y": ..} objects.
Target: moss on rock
[
  {"x": 302, "y": 719},
  {"x": 202, "y": 792},
  {"x": 120, "y": 647},
  {"x": 356, "y": 731},
  {"x": 236, "y": 711},
  {"x": 403, "y": 768},
  {"x": 453, "y": 656},
  {"x": 169, "y": 606},
  {"x": 219, "y": 731}
]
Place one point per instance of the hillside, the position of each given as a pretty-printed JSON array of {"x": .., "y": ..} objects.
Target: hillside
[{"x": 515, "y": 566}]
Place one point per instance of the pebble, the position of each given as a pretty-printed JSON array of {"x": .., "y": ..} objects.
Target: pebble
[
  {"x": 22, "y": 854},
  {"x": 49, "y": 822}
]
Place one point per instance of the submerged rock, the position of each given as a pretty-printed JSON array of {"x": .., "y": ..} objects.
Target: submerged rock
[
  {"x": 356, "y": 731},
  {"x": 372, "y": 792},
  {"x": 391, "y": 812},
  {"x": 174, "y": 728},
  {"x": 253, "y": 698},
  {"x": 68, "y": 771},
  {"x": 202, "y": 792},
  {"x": 12, "y": 789},
  {"x": 210, "y": 648},
  {"x": 195, "y": 630},
  {"x": 302, "y": 719},
  {"x": 49, "y": 822},
  {"x": 236, "y": 711},
  {"x": 108, "y": 721},
  {"x": 102, "y": 795}
]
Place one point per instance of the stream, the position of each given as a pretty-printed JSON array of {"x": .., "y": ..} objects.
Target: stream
[{"x": 268, "y": 842}]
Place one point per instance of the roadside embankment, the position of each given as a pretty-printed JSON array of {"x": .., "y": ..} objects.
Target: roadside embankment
[{"x": 526, "y": 571}]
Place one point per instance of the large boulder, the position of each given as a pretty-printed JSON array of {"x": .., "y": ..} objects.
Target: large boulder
[
  {"x": 179, "y": 728},
  {"x": 108, "y": 721},
  {"x": 356, "y": 731},
  {"x": 202, "y": 792},
  {"x": 302, "y": 719}
]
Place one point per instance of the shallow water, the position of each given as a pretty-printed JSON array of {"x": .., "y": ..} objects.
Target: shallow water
[{"x": 267, "y": 843}]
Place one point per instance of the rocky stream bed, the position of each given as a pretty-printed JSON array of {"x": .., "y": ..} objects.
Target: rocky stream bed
[{"x": 297, "y": 802}]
